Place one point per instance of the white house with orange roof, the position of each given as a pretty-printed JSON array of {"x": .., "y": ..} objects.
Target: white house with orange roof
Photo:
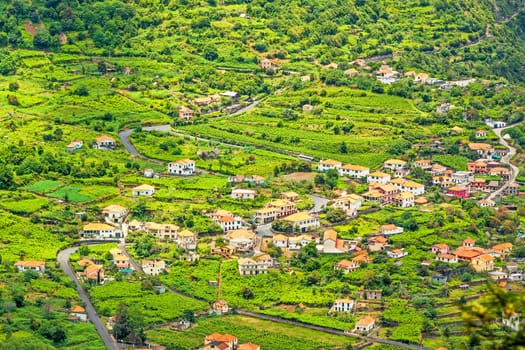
[
  {"x": 185, "y": 113},
  {"x": 242, "y": 194},
  {"x": 99, "y": 230},
  {"x": 153, "y": 267},
  {"x": 354, "y": 171},
  {"x": 349, "y": 203},
  {"x": 114, "y": 213},
  {"x": 397, "y": 253},
  {"x": 378, "y": 177},
  {"x": 280, "y": 240},
  {"x": 365, "y": 325},
  {"x": 105, "y": 142},
  {"x": 183, "y": 167},
  {"x": 226, "y": 220},
  {"x": 143, "y": 190},
  {"x": 390, "y": 229},
  {"x": 302, "y": 221},
  {"x": 218, "y": 341},
  {"x": 187, "y": 240},
  {"x": 447, "y": 258},
  {"x": 242, "y": 240},
  {"x": 31, "y": 265},
  {"x": 413, "y": 187},
  {"x": 394, "y": 164},
  {"x": 327, "y": 164},
  {"x": 74, "y": 145},
  {"x": 79, "y": 313},
  {"x": 403, "y": 200}
]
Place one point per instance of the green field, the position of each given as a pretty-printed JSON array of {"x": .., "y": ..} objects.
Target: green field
[{"x": 267, "y": 334}]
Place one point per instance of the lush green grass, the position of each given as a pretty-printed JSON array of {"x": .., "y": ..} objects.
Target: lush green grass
[
  {"x": 25, "y": 206},
  {"x": 43, "y": 186},
  {"x": 267, "y": 334}
]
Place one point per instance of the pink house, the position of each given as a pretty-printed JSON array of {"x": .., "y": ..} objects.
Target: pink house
[
  {"x": 440, "y": 248},
  {"x": 458, "y": 191}
]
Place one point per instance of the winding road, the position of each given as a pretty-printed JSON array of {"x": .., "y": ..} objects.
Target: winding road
[
  {"x": 514, "y": 171},
  {"x": 63, "y": 260}
]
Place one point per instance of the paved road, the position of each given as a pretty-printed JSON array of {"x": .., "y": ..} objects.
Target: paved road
[
  {"x": 63, "y": 260},
  {"x": 332, "y": 331},
  {"x": 124, "y": 138},
  {"x": 137, "y": 267},
  {"x": 514, "y": 171}
]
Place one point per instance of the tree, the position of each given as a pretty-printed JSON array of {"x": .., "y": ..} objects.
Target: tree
[
  {"x": 129, "y": 326},
  {"x": 343, "y": 148},
  {"x": 14, "y": 86},
  {"x": 335, "y": 215},
  {"x": 189, "y": 315},
  {"x": 81, "y": 91},
  {"x": 247, "y": 293},
  {"x": 42, "y": 40},
  {"x": 13, "y": 100},
  {"x": 83, "y": 250},
  {"x": 53, "y": 331},
  {"x": 6, "y": 179}
]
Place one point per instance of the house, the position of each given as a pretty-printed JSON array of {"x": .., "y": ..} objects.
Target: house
[
  {"x": 280, "y": 241},
  {"x": 486, "y": 203},
  {"x": 250, "y": 267},
  {"x": 327, "y": 164},
  {"x": 483, "y": 149},
  {"x": 264, "y": 259},
  {"x": 308, "y": 108},
  {"x": 378, "y": 177},
  {"x": 114, "y": 213},
  {"x": 467, "y": 254},
  {"x": 94, "y": 273},
  {"x": 373, "y": 294},
  {"x": 79, "y": 313},
  {"x": 394, "y": 164},
  {"x": 143, "y": 190},
  {"x": 377, "y": 243},
  {"x": 346, "y": 266},
  {"x": 440, "y": 248},
  {"x": 266, "y": 64},
  {"x": 513, "y": 189},
  {"x": 477, "y": 185},
  {"x": 220, "y": 307},
  {"x": 481, "y": 134},
  {"x": 354, "y": 171},
  {"x": 468, "y": 242},
  {"x": 149, "y": 173},
  {"x": 349, "y": 203},
  {"x": 266, "y": 215},
  {"x": 342, "y": 305},
  {"x": 298, "y": 242},
  {"x": 413, "y": 187},
  {"x": 331, "y": 244},
  {"x": 185, "y": 113},
  {"x": 504, "y": 173},
  {"x": 493, "y": 185},
  {"x": 448, "y": 258},
  {"x": 248, "y": 346},
  {"x": 444, "y": 108},
  {"x": 290, "y": 196},
  {"x": 167, "y": 232},
  {"x": 207, "y": 100},
  {"x": 217, "y": 341},
  {"x": 242, "y": 240},
  {"x": 350, "y": 72},
  {"x": 438, "y": 170},
  {"x": 462, "y": 177},
  {"x": 403, "y": 200},
  {"x": 302, "y": 221},
  {"x": 478, "y": 167},
  {"x": 226, "y": 220},
  {"x": 153, "y": 267},
  {"x": 365, "y": 325},
  {"x": 421, "y": 78},
  {"x": 98, "y": 230},
  {"x": 397, "y": 253},
  {"x": 121, "y": 262},
  {"x": 74, "y": 145},
  {"x": 242, "y": 194},
  {"x": 502, "y": 250},
  {"x": 425, "y": 164},
  {"x": 386, "y": 71},
  {"x": 458, "y": 192},
  {"x": 374, "y": 196},
  {"x": 31, "y": 265},
  {"x": 283, "y": 207},
  {"x": 483, "y": 263},
  {"x": 256, "y": 180},
  {"x": 105, "y": 142},
  {"x": 187, "y": 240},
  {"x": 183, "y": 167},
  {"x": 390, "y": 229}
]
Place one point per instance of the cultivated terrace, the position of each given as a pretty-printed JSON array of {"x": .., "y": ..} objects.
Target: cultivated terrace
[{"x": 186, "y": 174}]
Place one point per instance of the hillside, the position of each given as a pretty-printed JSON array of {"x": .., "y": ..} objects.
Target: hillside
[{"x": 438, "y": 36}]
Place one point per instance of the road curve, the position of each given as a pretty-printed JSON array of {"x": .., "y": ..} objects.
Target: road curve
[
  {"x": 63, "y": 260},
  {"x": 514, "y": 171}
]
